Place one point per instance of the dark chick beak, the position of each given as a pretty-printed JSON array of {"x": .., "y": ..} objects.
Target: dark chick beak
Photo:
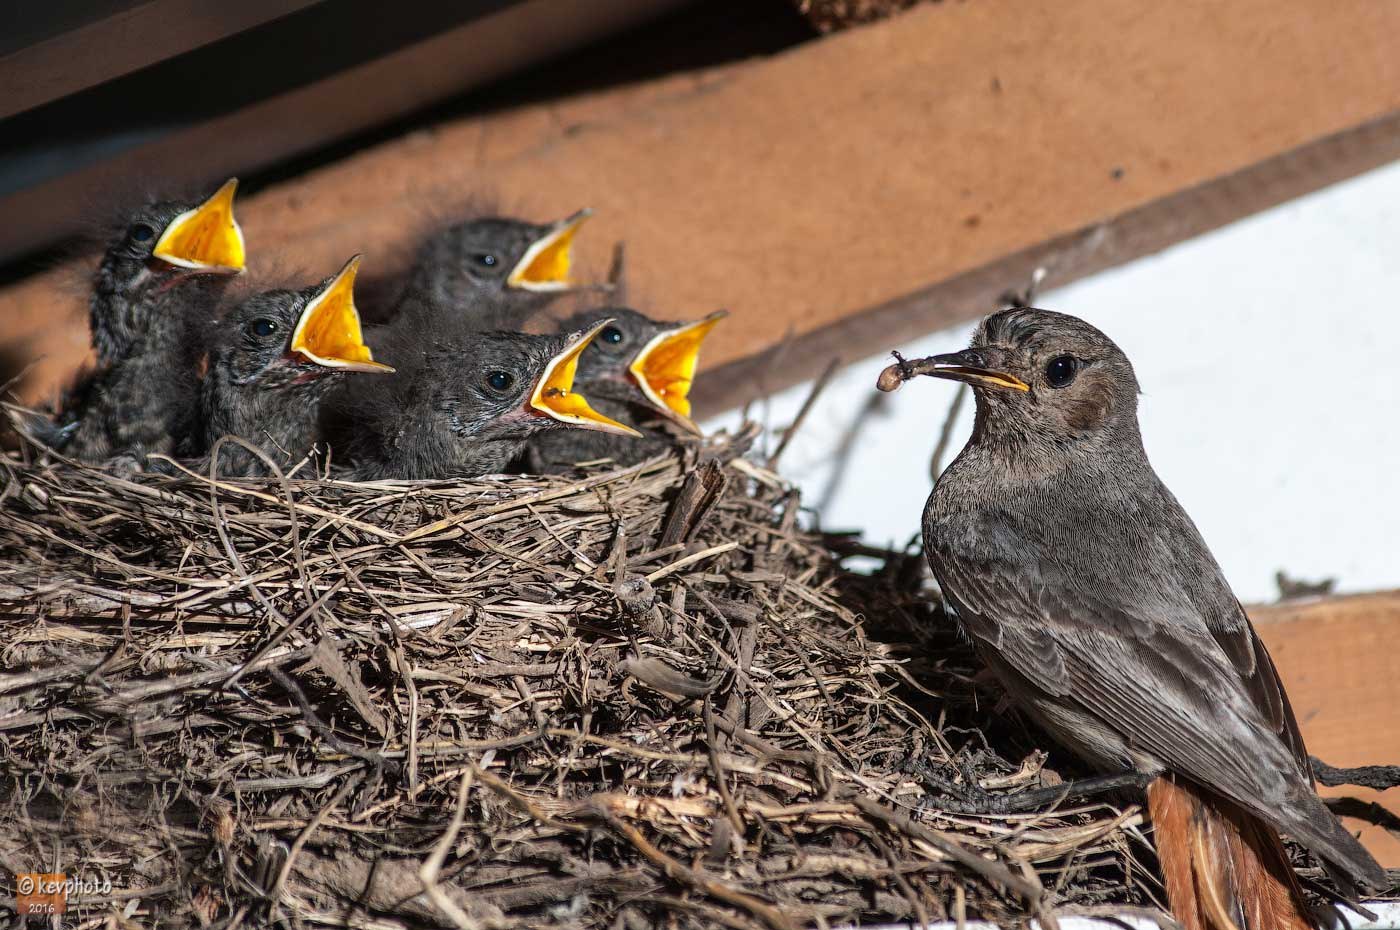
[
  {"x": 554, "y": 395},
  {"x": 207, "y": 238},
  {"x": 545, "y": 264},
  {"x": 976, "y": 367},
  {"x": 328, "y": 332},
  {"x": 665, "y": 367}
]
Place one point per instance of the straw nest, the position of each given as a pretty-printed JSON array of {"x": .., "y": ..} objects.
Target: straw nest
[{"x": 646, "y": 697}]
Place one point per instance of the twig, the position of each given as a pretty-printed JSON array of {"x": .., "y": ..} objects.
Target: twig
[
  {"x": 679, "y": 872},
  {"x": 1379, "y": 777},
  {"x": 994, "y": 872},
  {"x": 432, "y": 866},
  {"x": 808, "y": 403}
]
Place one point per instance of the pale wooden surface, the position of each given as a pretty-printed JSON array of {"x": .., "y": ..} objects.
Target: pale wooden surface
[{"x": 827, "y": 192}]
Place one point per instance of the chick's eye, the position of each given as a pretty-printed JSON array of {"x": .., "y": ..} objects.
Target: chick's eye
[
  {"x": 142, "y": 232},
  {"x": 1061, "y": 370},
  {"x": 262, "y": 328},
  {"x": 611, "y": 335},
  {"x": 500, "y": 380},
  {"x": 487, "y": 260}
]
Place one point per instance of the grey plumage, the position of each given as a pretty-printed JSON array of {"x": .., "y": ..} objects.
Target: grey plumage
[
  {"x": 461, "y": 277},
  {"x": 1089, "y": 591},
  {"x": 458, "y": 407},
  {"x": 259, "y": 390},
  {"x": 143, "y": 316},
  {"x": 155, "y": 284},
  {"x": 129, "y": 290}
]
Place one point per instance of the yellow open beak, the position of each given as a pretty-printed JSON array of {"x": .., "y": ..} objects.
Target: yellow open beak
[
  {"x": 545, "y": 264},
  {"x": 665, "y": 367},
  {"x": 206, "y": 238},
  {"x": 555, "y": 396},
  {"x": 328, "y": 332}
]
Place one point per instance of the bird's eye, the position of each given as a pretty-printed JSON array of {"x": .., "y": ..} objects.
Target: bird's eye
[
  {"x": 611, "y": 335},
  {"x": 500, "y": 380},
  {"x": 262, "y": 328},
  {"x": 143, "y": 232},
  {"x": 487, "y": 260},
  {"x": 1061, "y": 370}
]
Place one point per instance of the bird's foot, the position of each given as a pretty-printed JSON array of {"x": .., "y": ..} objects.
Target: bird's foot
[{"x": 969, "y": 797}]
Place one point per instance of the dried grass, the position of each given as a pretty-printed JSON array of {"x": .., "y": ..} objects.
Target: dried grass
[{"x": 645, "y": 698}]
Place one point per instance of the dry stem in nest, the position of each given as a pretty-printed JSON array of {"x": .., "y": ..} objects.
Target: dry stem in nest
[{"x": 643, "y": 698}]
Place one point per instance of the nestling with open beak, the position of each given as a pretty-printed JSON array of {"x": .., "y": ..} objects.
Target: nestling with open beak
[
  {"x": 488, "y": 273},
  {"x": 1090, "y": 594},
  {"x": 638, "y": 371},
  {"x": 463, "y": 407},
  {"x": 156, "y": 284},
  {"x": 273, "y": 358}
]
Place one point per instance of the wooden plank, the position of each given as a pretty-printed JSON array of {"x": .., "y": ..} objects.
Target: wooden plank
[
  {"x": 881, "y": 182},
  {"x": 1339, "y": 660},
  {"x": 118, "y": 40},
  {"x": 378, "y": 85}
]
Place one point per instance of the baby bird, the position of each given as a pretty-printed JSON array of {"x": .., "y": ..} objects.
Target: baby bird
[
  {"x": 464, "y": 407},
  {"x": 272, "y": 360},
  {"x": 488, "y": 273},
  {"x": 155, "y": 283},
  {"x": 639, "y": 372}
]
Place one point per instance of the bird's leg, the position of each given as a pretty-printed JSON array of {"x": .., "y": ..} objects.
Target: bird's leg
[{"x": 972, "y": 798}]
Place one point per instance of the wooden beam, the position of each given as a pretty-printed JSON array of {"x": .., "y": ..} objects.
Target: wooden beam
[
  {"x": 117, "y": 38},
  {"x": 1338, "y": 659},
  {"x": 882, "y": 182},
  {"x": 215, "y": 138}
]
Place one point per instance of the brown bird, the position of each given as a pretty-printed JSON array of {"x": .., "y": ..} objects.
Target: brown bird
[
  {"x": 488, "y": 273},
  {"x": 1089, "y": 592},
  {"x": 637, "y": 371},
  {"x": 273, "y": 358},
  {"x": 156, "y": 283},
  {"x": 460, "y": 407}
]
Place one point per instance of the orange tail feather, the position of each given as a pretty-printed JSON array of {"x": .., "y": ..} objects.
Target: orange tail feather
[{"x": 1224, "y": 869}]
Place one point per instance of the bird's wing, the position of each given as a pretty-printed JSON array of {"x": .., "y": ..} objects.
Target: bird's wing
[
  {"x": 1143, "y": 680},
  {"x": 1142, "y": 662},
  {"x": 1170, "y": 689},
  {"x": 1261, "y": 682}
]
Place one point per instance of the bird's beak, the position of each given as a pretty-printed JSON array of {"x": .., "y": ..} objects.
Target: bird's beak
[
  {"x": 665, "y": 367},
  {"x": 328, "y": 332},
  {"x": 545, "y": 264},
  {"x": 207, "y": 238},
  {"x": 971, "y": 366},
  {"x": 554, "y": 395}
]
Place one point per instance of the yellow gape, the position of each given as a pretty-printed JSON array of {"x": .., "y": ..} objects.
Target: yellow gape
[
  {"x": 206, "y": 238},
  {"x": 545, "y": 264},
  {"x": 665, "y": 367},
  {"x": 328, "y": 332},
  {"x": 554, "y": 394}
]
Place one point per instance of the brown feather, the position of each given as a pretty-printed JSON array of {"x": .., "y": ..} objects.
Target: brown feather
[{"x": 1224, "y": 869}]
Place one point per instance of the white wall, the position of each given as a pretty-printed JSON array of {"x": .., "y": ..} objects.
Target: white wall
[{"x": 1269, "y": 356}]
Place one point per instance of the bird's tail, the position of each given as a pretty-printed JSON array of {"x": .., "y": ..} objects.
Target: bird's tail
[{"x": 1225, "y": 869}]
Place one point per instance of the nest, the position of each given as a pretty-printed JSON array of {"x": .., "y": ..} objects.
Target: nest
[{"x": 642, "y": 697}]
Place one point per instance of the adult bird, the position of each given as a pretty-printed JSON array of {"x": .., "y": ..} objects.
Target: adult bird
[
  {"x": 1091, "y": 595},
  {"x": 637, "y": 371},
  {"x": 273, "y": 358},
  {"x": 156, "y": 283},
  {"x": 461, "y": 407}
]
